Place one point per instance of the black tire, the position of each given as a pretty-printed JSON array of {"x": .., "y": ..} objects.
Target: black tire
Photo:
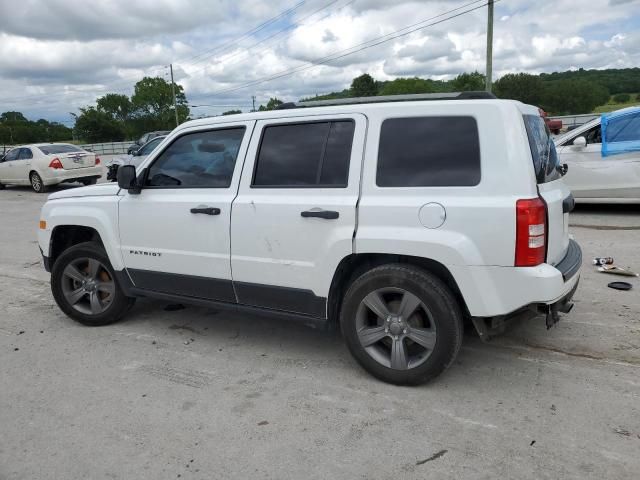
[
  {"x": 117, "y": 302},
  {"x": 437, "y": 312},
  {"x": 2, "y": 187},
  {"x": 89, "y": 181},
  {"x": 37, "y": 184}
]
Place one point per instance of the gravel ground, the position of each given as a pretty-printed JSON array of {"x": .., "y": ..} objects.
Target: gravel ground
[{"x": 196, "y": 393}]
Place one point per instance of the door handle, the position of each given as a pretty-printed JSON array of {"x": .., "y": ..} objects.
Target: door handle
[
  {"x": 206, "y": 210},
  {"x": 326, "y": 214}
]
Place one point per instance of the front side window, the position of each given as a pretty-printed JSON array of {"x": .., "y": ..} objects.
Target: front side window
[
  {"x": 312, "y": 154},
  {"x": 12, "y": 155},
  {"x": 198, "y": 160},
  {"x": 429, "y": 152}
]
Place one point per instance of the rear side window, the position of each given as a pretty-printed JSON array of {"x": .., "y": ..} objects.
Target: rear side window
[
  {"x": 313, "y": 154},
  {"x": 198, "y": 160},
  {"x": 25, "y": 154},
  {"x": 429, "y": 152},
  {"x": 543, "y": 150}
]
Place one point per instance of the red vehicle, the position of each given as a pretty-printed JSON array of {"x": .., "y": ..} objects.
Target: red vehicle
[{"x": 554, "y": 125}]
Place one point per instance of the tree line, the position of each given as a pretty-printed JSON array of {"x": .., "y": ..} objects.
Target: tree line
[
  {"x": 557, "y": 93},
  {"x": 15, "y": 128}
]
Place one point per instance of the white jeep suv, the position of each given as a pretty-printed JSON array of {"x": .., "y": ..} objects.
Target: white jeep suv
[{"x": 395, "y": 220}]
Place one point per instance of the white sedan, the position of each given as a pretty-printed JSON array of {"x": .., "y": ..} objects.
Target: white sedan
[
  {"x": 603, "y": 175},
  {"x": 44, "y": 164}
]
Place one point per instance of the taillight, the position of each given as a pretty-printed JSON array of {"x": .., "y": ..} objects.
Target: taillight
[
  {"x": 56, "y": 164},
  {"x": 531, "y": 232},
  {"x": 97, "y": 160}
]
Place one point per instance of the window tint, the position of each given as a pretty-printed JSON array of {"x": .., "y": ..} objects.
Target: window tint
[
  {"x": 59, "y": 148},
  {"x": 149, "y": 146},
  {"x": 25, "y": 154},
  {"x": 12, "y": 155},
  {"x": 195, "y": 160},
  {"x": 306, "y": 154},
  {"x": 429, "y": 152},
  {"x": 543, "y": 150}
]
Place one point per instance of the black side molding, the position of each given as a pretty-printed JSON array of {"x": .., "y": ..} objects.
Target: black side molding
[
  {"x": 568, "y": 204},
  {"x": 571, "y": 262}
]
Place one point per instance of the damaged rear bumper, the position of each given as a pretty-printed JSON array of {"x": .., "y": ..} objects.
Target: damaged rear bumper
[{"x": 490, "y": 327}]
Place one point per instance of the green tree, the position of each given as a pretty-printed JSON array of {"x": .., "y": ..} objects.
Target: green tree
[
  {"x": 405, "y": 86},
  {"x": 363, "y": 86},
  {"x": 13, "y": 118},
  {"x": 118, "y": 106},
  {"x": 520, "y": 86},
  {"x": 152, "y": 102},
  {"x": 231, "y": 112},
  {"x": 468, "y": 82},
  {"x": 621, "y": 98},
  {"x": 95, "y": 126},
  {"x": 272, "y": 104},
  {"x": 567, "y": 97}
]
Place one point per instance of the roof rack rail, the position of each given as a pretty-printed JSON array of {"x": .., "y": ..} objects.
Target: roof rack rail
[{"x": 471, "y": 95}]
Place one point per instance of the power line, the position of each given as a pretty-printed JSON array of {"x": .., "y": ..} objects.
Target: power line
[
  {"x": 363, "y": 46},
  {"x": 260, "y": 27},
  {"x": 289, "y": 27}
]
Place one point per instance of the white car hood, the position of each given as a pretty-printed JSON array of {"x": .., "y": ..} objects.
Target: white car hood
[{"x": 99, "y": 190}]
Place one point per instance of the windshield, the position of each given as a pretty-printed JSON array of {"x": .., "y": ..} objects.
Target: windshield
[
  {"x": 543, "y": 150},
  {"x": 58, "y": 148},
  {"x": 148, "y": 148}
]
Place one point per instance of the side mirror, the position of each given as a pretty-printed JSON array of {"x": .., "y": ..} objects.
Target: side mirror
[
  {"x": 127, "y": 179},
  {"x": 580, "y": 142}
]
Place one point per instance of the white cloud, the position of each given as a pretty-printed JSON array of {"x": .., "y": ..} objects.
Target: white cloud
[{"x": 58, "y": 55}]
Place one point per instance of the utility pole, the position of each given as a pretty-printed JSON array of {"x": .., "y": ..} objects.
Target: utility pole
[
  {"x": 253, "y": 99},
  {"x": 173, "y": 91},
  {"x": 488, "y": 71}
]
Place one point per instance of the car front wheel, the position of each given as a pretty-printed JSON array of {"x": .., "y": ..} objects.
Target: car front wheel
[
  {"x": 402, "y": 324},
  {"x": 85, "y": 287}
]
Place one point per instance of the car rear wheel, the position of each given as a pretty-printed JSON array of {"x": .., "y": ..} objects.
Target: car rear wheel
[
  {"x": 90, "y": 181},
  {"x": 36, "y": 183},
  {"x": 402, "y": 324},
  {"x": 85, "y": 287}
]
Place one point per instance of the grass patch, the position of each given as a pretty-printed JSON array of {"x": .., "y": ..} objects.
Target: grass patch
[{"x": 610, "y": 106}]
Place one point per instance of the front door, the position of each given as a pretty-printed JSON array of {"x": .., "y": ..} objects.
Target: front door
[
  {"x": 8, "y": 166},
  {"x": 295, "y": 214},
  {"x": 175, "y": 234}
]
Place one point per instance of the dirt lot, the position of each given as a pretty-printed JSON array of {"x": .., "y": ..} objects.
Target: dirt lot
[{"x": 199, "y": 394}]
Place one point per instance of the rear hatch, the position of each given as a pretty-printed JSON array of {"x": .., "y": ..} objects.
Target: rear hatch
[
  {"x": 70, "y": 156},
  {"x": 551, "y": 187}
]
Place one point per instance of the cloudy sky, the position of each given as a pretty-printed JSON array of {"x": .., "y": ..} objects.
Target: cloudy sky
[{"x": 59, "y": 55}]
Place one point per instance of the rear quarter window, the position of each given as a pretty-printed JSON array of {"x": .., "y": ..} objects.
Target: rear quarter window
[
  {"x": 438, "y": 151},
  {"x": 543, "y": 150}
]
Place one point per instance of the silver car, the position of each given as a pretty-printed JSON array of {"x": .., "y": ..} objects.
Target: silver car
[{"x": 135, "y": 159}]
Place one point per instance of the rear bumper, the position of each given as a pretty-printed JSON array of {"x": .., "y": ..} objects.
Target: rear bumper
[
  {"x": 493, "y": 291},
  {"x": 53, "y": 177}
]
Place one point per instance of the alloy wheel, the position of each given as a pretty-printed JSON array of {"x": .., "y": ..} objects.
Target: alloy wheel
[
  {"x": 88, "y": 286},
  {"x": 395, "y": 328}
]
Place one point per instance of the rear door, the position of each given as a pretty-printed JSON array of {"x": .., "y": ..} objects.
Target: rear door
[
  {"x": 294, "y": 218},
  {"x": 551, "y": 187}
]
